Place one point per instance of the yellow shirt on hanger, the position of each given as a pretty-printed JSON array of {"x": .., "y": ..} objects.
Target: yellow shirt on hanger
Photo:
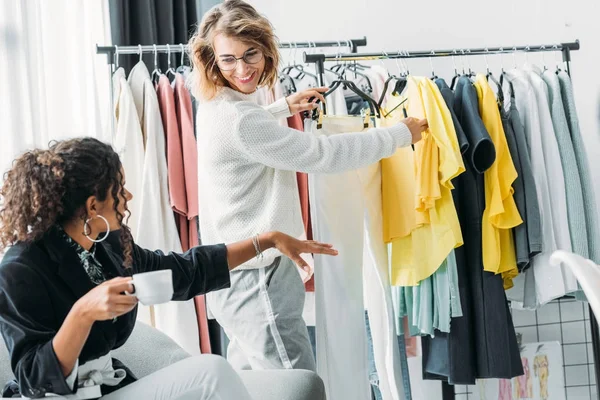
[
  {"x": 501, "y": 213},
  {"x": 420, "y": 218}
]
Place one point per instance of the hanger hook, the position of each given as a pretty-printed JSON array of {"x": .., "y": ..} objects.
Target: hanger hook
[
  {"x": 406, "y": 62},
  {"x": 155, "y": 57},
  {"x": 295, "y": 51},
  {"x": 527, "y": 50},
  {"x": 469, "y": 62},
  {"x": 431, "y": 62},
  {"x": 384, "y": 54},
  {"x": 556, "y": 59},
  {"x": 514, "y": 54},
  {"x": 182, "y": 53},
  {"x": 462, "y": 61},
  {"x": 396, "y": 60},
  {"x": 542, "y": 51},
  {"x": 502, "y": 59},
  {"x": 116, "y": 56},
  {"x": 140, "y": 52},
  {"x": 487, "y": 65},
  {"x": 350, "y": 46},
  {"x": 168, "y": 56},
  {"x": 454, "y": 61}
]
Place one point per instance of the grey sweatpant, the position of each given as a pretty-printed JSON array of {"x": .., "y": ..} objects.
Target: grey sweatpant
[
  {"x": 261, "y": 314},
  {"x": 205, "y": 377}
]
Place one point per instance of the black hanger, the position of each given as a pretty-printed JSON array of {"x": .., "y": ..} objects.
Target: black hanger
[
  {"x": 398, "y": 88},
  {"x": 304, "y": 73},
  {"x": 433, "y": 74},
  {"x": 373, "y": 107},
  {"x": 456, "y": 74},
  {"x": 490, "y": 76},
  {"x": 454, "y": 80},
  {"x": 292, "y": 85}
]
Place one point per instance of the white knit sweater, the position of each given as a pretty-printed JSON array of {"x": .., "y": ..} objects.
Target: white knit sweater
[{"x": 247, "y": 166}]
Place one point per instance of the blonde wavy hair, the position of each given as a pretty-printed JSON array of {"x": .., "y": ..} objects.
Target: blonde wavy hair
[{"x": 235, "y": 19}]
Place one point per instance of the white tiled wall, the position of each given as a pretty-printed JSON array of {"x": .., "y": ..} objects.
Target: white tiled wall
[{"x": 566, "y": 321}]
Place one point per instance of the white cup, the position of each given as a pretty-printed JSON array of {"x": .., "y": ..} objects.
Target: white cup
[{"x": 154, "y": 287}]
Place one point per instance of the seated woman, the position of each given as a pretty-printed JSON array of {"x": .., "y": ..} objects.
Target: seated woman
[{"x": 63, "y": 306}]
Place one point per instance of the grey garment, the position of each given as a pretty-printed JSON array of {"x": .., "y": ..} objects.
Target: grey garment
[
  {"x": 528, "y": 236},
  {"x": 519, "y": 232},
  {"x": 577, "y": 222},
  {"x": 589, "y": 199},
  {"x": 532, "y": 206},
  {"x": 261, "y": 314},
  {"x": 205, "y": 377},
  {"x": 148, "y": 350}
]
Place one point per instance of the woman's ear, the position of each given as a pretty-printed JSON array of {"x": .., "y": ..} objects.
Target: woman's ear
[{"x": 91, "y": 207}]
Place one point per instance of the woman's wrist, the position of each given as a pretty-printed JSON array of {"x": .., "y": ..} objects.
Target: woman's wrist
[
  {"x": 268, "y": 240},
  {"x": 81, "y": 314}
]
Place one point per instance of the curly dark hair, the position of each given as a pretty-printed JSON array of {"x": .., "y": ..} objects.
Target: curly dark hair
[{"x": 46, "y": 187}]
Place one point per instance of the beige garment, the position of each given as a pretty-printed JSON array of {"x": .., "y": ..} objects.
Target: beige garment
[{"x": 156, "y": 227}]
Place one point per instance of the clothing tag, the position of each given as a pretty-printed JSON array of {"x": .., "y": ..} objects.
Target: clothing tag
[
  {"x": 320, "y": 119},
  {"x": 366, "y": 118}
]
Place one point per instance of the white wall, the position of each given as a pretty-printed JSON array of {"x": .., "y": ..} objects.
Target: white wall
[{"x": 439, "y": 24}]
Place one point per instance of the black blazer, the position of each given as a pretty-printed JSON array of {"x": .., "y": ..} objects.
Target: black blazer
[{"x": 40, "y": 282}]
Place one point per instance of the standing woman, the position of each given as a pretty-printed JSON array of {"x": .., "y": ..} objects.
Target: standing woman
[{"x": 247, "y": 167}]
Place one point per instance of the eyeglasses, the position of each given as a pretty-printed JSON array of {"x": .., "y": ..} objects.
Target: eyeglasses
[{"x": 229, "y": 63}]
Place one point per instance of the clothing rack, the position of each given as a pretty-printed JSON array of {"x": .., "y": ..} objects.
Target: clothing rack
[
  {"x": 565, "y": 48},
  {"x": 320, "y": 59},
  {"x": 113, "y": 52}
]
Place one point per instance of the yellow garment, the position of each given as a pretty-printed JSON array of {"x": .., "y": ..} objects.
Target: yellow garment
[
  {"x": 420, "y": 219},
  {"x": 501, "y": 213}
]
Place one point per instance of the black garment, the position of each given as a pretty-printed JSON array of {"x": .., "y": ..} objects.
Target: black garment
[
  {"x": 448, "y": 95},
  {"x": 482, "y": 343},
  {"x": 436, "y": 350},
  {"x": 40, "y": 282},
  {"x": 150, "y": 22}
]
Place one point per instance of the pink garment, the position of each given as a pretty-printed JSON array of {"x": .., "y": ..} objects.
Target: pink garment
[
  {"x": 176, "y": 175},
  {"x": 505, "y": 392},
  {"x": 410, "y": 342},
  {"x": 524, "y": 384},
  {"x": 185, "y": 118},
  {"x": 189, "y": 152}
]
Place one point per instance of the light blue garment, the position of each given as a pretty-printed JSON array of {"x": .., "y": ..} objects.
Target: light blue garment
[
  {"x": 373, "y": 375},
  {"x": 431, "y": 304}
]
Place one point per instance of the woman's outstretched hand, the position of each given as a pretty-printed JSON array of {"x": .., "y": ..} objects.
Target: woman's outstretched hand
[{"x": 293, "y": 248}]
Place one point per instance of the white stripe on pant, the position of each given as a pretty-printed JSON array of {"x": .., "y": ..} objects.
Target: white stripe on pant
[{"x": 341, "y": 206}]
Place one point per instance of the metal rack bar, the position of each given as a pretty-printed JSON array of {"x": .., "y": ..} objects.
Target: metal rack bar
[
  {"x": 111, "y": 51},
  {"x": 565, "y": 48}
]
